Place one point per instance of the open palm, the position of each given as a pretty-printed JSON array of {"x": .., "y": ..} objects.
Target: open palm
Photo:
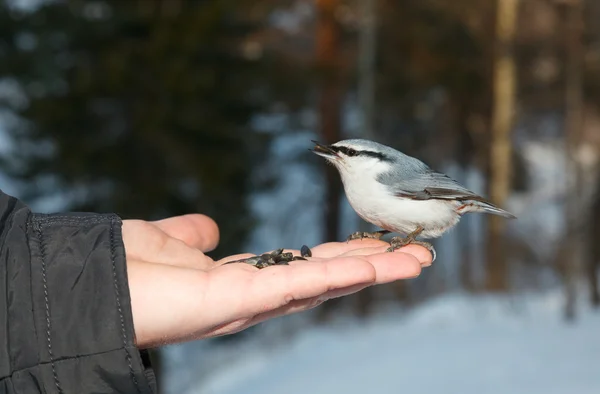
[{"x": 178, "y": 293}]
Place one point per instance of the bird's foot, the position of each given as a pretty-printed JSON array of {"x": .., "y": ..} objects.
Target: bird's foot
[
  {"x": 399, "y": 242},
  {"x": 361, "y": 235},
  {"x": 276, "y": 257}
]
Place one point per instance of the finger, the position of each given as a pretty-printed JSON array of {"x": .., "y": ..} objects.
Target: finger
[
  {"x": 420, "y": 253},
  {"x": 297, "y": 306},
  {"x": 332, "y": 249},
  {"x": 390, "y": 267},
  {"x": 195, "y": 230},
  {"x": 145, "y": 241},
  {"x": 275, "y": 287}
]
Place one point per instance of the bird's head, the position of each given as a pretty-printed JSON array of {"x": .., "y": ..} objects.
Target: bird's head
[{"x": 357, "y": 156}]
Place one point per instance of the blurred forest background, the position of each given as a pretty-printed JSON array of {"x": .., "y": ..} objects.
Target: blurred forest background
[{"x": 151, "y": 108}]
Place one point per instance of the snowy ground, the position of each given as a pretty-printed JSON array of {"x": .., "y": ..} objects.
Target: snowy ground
[{"x": 454, "y": 344}]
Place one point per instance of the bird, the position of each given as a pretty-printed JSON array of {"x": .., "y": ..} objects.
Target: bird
[{"x": 400, "y": 193}]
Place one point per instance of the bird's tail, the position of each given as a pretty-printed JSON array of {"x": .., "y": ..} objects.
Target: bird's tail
[{"x": 491, "y": 208}]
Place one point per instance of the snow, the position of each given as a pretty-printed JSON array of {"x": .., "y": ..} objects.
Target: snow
[{"x": 453, "y": 344}]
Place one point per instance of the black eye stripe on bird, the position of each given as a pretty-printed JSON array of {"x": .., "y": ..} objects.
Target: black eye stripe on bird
[
  {"x": 400, "y": 193},
  {"x": 352, "y": 152},
  {"x": 376, "y": 155}
]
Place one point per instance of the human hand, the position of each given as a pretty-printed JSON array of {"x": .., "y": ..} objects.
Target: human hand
[{"x": 180, "y": 294}]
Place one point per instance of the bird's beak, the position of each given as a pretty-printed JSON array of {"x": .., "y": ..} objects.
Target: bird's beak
[{"x": 324, "y": 150}]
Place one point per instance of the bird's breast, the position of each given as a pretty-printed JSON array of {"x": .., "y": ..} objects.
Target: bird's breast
[{"x": 373, "y": 202}]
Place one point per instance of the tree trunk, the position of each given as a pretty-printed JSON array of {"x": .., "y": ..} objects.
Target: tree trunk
[
  {"x": 366, "y": 66},
  {"x": 503, "y": 113},
  {"x": 328, "y": 60},
  {"x": 573, "y": 128},
  {"x": 330, "y": 102},
  {"x": 593, "y": 262},
  {"x": 593, "y": 244}
]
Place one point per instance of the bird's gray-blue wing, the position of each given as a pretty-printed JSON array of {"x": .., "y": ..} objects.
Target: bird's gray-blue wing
[{"x": 426, "y": 185}]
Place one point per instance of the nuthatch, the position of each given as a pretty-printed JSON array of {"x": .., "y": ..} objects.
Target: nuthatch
[{"x": 399, "y": 193}]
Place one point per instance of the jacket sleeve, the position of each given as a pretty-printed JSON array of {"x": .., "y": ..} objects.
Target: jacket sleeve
[{"x": 65, "y": 312}]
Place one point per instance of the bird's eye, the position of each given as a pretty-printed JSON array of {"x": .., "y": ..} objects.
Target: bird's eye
[{"x": 351, "y": 152}]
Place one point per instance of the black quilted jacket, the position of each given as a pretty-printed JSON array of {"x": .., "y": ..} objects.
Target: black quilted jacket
[{"x": 65, "y": 310}]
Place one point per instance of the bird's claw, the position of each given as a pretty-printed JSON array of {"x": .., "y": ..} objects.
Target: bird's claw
[
  {"x": 399, "y": 242},
  {"x": 362, "y": 235},
  {"x": 276, "y": 257}
]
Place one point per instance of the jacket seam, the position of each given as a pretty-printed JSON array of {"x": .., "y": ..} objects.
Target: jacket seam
[
  {"x": 10, "y": 210},
  {"x": 71, "y": 220},
  {"x": 47, "y": 308},
  {"x": 120, "y": 310}
]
